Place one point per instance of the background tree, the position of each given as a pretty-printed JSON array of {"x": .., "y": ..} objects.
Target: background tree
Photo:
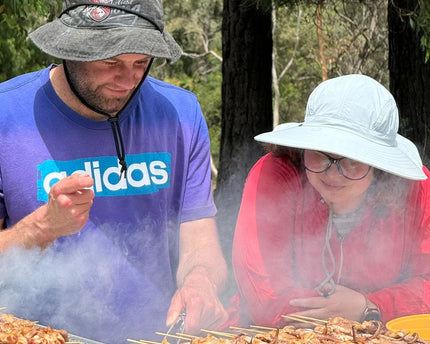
[
  {"x": 280, "y": 71},
  {"x": 246, "y": 102},
  {"x": 409, "y": 28},
  {"x": 354, "y": 39},
  {"x": 17, "y": 19}
]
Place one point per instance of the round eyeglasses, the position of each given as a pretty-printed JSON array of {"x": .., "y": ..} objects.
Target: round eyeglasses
[{"x": 319, "y": 162}]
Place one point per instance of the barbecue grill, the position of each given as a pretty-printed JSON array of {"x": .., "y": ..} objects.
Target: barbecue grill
[{"x": 82, "y": 340}]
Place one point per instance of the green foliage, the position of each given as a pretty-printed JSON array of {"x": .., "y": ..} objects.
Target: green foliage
[
  {"x": 303, "y": 74},
  {"x": 355, "y": 41},
  {"x": 17, "y": 19},
  {"x": 420, "y": 21}
]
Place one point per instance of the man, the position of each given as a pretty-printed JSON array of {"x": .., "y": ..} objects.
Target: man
[{"x": 108, "y": 172}]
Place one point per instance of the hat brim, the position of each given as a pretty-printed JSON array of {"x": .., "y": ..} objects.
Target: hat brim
[
  {"x": 401, "y": 159},
  {"x": 88, "y": 44}
]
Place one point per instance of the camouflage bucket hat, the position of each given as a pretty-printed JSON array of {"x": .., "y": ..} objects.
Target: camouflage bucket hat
[{"x": 101, "y": 29}]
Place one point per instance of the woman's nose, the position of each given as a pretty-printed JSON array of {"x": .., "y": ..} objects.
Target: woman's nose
[{"x": 334, "y": 170}]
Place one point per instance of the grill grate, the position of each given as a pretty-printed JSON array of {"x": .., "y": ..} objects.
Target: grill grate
[{"x": 82, "y": 340}]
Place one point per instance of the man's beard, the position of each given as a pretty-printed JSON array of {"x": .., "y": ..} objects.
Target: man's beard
[{"x": 94, "y": 97}]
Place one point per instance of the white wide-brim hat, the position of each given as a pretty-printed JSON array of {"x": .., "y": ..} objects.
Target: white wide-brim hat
[{"x": 356, "y": 117}]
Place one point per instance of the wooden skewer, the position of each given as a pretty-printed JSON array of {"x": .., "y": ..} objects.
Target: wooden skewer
[
  {"x": 244, "y": 329},
  {"x": 306, "y": 318},
  {"x": 142, "y": 341},
  {"x": 313, "y": 319},
  {"x": 301, "y": 320},
  {"x": 217, "y": 333},
  {"x": 263, "y": 327},
  {"x": 171, "y": 335},
  {"x": 2, "y": 308},
  {"x": 188, "y": 336}
]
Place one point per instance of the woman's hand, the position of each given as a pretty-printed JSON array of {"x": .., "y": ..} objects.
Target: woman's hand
[{"x": 344, "y": 302}]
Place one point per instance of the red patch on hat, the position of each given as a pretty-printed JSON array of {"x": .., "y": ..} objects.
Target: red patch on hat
[{"x": 99, "y": 13}]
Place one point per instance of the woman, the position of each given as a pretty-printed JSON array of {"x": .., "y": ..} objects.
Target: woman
[{"x": 335, "y": 218}]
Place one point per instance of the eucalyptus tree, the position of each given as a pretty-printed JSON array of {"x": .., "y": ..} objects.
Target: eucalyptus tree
[
  {"x": 246, "y": 102},
  {"x": 394, "y": 50},
  {"x": 409, "y": 55},
  {"x": 17, "y": 19},
  {"x": 346, "y": 36}
]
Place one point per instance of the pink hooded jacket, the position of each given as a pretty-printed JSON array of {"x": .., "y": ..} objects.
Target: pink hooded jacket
[{"x": 280, "y": 234}]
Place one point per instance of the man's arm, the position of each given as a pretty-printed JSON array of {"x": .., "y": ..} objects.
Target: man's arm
[
  {"x": 201, "y": 276},
  {"x": 66, "y": 213},
  {"x": 25, "y": 233},
  {"x": 200, "y": 253}
]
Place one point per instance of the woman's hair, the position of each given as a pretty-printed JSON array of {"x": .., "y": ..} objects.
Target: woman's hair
[
  {"x": 386, "y": 191},
  {"x": 292, "y": 154}
]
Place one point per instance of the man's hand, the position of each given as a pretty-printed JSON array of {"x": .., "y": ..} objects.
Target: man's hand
[
  {"x": 66, "y": 212},
  {"x": 201, "y": 276},
  {"x": 198, "y": 297},
  {"x": 68, "y": 207},
  {"x": 344, "y": 302}
]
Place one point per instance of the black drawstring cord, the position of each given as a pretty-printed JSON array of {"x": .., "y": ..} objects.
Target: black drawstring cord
[
  {"x": 119, "y": 144},
  {"x": 113, "y": 120}
]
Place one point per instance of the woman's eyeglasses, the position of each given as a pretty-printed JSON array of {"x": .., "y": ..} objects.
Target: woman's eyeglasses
[{"x": 319, "y": 162}]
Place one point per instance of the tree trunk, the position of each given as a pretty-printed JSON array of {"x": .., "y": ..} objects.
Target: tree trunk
[
  {"x": 246, "y": 105},
  {"x": 323, "y": 61},
  {"x": 409, "y": 75},
  {"x": 275, "y": 80}
]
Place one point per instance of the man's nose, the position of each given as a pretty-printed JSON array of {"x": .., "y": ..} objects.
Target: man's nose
[{"x": 127, "y": 77}]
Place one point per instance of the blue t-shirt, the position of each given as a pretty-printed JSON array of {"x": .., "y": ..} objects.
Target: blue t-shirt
[{"x": 115, "y": 279}]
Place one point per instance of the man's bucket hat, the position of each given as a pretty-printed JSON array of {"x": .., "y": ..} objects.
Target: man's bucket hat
[
  {"x": 101, "y": 29},
  {"x": 356, "y": 117}
]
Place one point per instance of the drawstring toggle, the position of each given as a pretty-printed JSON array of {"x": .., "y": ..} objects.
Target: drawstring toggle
[{"x": 119, "y": 144}]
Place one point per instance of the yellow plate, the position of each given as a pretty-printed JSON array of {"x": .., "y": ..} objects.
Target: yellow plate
[{"x": 413, "y": 324}]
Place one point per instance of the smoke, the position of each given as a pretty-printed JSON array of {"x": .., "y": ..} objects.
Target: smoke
[{"x": 83, "y": 284}]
